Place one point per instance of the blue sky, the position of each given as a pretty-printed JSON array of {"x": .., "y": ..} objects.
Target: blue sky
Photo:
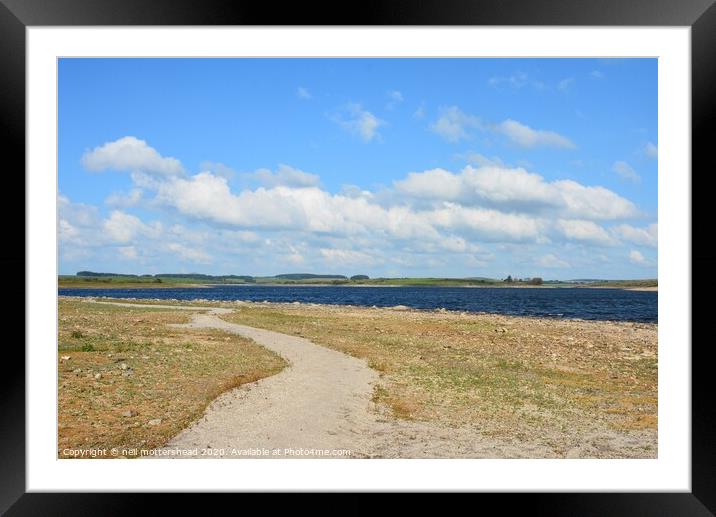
[{"x": 387, "y": 167}]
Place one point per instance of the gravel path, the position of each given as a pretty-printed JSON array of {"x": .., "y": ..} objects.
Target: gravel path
[{"x": 322, "y": 402}]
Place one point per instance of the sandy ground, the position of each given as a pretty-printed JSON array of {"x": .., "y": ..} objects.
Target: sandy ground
[{"x": 322, "y": 402}]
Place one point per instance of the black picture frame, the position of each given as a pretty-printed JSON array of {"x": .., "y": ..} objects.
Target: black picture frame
[{"x": 700, "y": 15}]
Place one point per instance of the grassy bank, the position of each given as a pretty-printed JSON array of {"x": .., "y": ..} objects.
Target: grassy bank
[
  {"x": 127, "y": 380},
  {"x": 125, "y": 282},
  {"x": 626, "y": 284},
  {"x": 547, "y": 382},
  {"x": 542, "y": 381},
  {"x": 119, "y": 282}
]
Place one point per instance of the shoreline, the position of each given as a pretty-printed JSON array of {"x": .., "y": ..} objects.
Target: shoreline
[
  {"x": 236, "y": 304},
  {"x": 496, "y": 286},
  {"x": 447, "y": 383}
]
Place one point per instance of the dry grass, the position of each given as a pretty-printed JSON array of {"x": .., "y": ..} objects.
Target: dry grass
[
  {"x": 126, "y": 361},
  {"x": 518, "y": 378}
]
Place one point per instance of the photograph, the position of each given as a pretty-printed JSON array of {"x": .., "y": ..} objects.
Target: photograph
[{"x": 357, "y": 258}]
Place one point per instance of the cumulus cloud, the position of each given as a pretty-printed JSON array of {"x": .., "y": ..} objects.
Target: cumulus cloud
[
  {"x": 124, "y": 199},
  {"x": 525, "y": 136},
  {"x": 640, "y": 236},
  {"x": 552, "y": 261},
  {"x": 128, "y": 252},
  {"x": 424, "y": 218},
  {"x": 67, "y": 232},
  {"x": 359, "y": 121},
  {"x": 208, "y": 197},
  {"x": 454, "y": 125},
  {"x": 217, "y": 168},
  {"x": 584, "y": 231},
  {"x": 487, "y": 224},
  {"x": 651, "y": 150},
  {"x": 626, "y": 171},
  {"x": 517, "y": 189},
  {"x": 481, "y": 160},
  {"x": 436, "y": 184},
  {"x": 188, "y": 254},
  {"x": 78, "y": 214},
  {"x": 635, "y": 257},
  {"x": 123, "y": 227},
  {"x": 347, "y": 257},
  {"x": 594, "y": 202},
  {"x": 130, "y": 154},
  {"x": 287, "y": 176}
]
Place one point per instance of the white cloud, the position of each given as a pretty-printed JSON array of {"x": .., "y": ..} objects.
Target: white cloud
[
  {"x": 124, "y": 200},
  {"x": 347, "y": 257},
  {"x": 218, "y": 168},
  {"x": 596, "y": 74},
  {"x": 584, "y": 231},
  {"x": 287, "y": 176},
  {"x": 130, "y": 154},
  {"x": 594, "y": 202},
  {"x": 313, "y": 210},
  {"x": 294, "y": 255},
  {"x": 303, "y": 93},
  {"x": 552, "y": 261},
  {"x": 128, "y": 252},
  {"x": 487, "y": 224},
  {"x": 436, "y": 184},
  {"x": 122, "y": 227},
  {"x": 359, "y": 122},
  {"x": 515, "y": 81},
  {"x": 637, "y": 258},
  {"x": 424, "y": 218},
  {"x": 525, "y": 136},
  {"x": 206, "y": 196},
  {"x": 651, "y": 150},
  {"x": 242, "y": 237},
  {"x": 454, "y": 125},
  {"x": 188, "y": 254},
  {"x": 483, "y": 161},
  {"x": 626, "y": 171},
  {"x": 640, "y": 236},
  {"x": 517, "y": 190},
  {"x": 67, "y": 232},
  {"x": 78, "y": 214}
]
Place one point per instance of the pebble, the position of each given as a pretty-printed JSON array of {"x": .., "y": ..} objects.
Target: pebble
[
  {"x": 155, "y": 421},
  {"x": 129, "y": 413}
]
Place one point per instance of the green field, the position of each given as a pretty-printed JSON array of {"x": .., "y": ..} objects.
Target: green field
[{"x": 105, "y": 280}]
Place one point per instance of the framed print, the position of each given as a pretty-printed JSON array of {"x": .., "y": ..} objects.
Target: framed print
[{"x": 419, "y": 249}]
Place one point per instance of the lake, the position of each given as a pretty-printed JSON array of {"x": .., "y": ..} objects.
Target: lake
[{"x": 588, "y": 304}]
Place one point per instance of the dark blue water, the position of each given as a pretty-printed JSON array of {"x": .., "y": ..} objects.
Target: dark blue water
[{"x": 588, "y": 304}]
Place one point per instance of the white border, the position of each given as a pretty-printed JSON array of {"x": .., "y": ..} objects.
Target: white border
[{"x": 671, "y": 471}]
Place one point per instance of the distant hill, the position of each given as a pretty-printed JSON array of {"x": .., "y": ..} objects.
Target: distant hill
[
  {"x": 309, "y": 276},
  {"x": 203, "y": 277},
  {"x": 182, "y": 276}
]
